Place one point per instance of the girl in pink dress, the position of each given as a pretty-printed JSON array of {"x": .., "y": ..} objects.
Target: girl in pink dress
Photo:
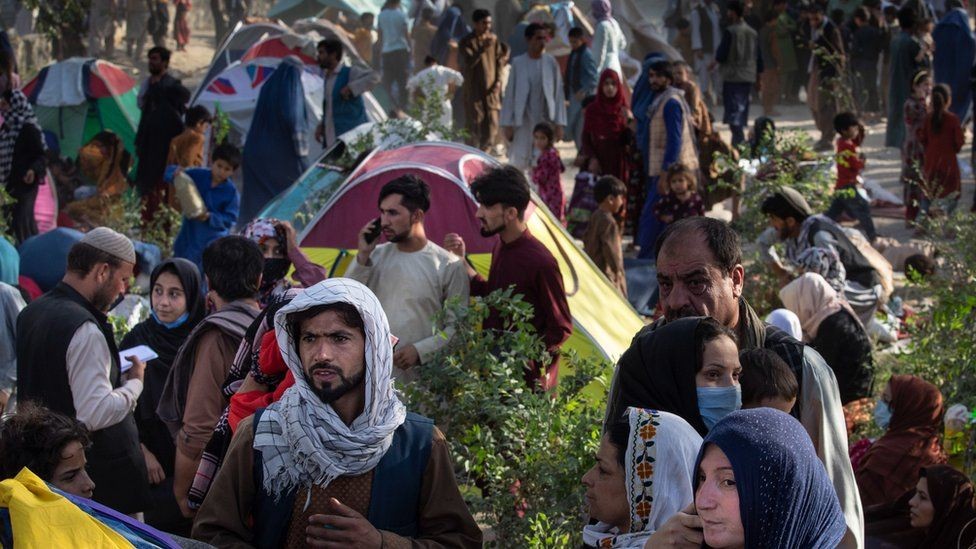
[{"x": 547, "y": 170}]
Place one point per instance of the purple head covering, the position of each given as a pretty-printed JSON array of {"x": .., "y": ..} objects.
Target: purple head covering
[{"x": 601, "y": 9}]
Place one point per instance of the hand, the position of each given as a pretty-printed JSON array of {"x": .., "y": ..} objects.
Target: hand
[
  {"x": 138, "y": 369},
  {"x": 291, "y": 237},
  {"x": 365, "y": 248},
  {"x": 558, "y": 134},
  {"x": 346, "y": 92},
  {"x": 406, "y": 357},
  {"x": 667, "y": 218},
  {"x": 712, "y": 66},
  {"x": 509, "y": 133},
  {"x": 184, "y": 506},
  {"x": 343, "y": 528},
  {"x": 495, "y": 88},
  {"x": 29, "y": 177},
  {"x": 683, "y": 530},
  {"x": 454, "y": 244},
  {"x": 594, "y": 166},
  {"x": 320, "y": 133},
  {"x": 156, "y": 473}
]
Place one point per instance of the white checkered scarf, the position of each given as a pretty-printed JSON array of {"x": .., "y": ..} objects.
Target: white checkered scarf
[
  {"x": 303, "y": 442},
  {"x": 20, "y": 115}
]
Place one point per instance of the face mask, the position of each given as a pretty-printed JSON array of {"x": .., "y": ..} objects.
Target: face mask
[
  {"x": 275, "y": 269},
  {"x": 714, "y": 403},
  {"x": 882, "y": 414},
  {"x": 170, "y": 325}
]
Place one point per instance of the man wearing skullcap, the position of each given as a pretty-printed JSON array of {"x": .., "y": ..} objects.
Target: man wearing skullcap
[{"x": 67, "y": 361}]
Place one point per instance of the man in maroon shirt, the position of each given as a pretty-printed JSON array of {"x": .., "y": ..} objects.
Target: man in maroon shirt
[{"x": 518, "y": 260}]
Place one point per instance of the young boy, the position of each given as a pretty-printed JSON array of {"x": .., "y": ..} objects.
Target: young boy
[
  {"x": 186, "y": 149},
  {"x": 221, "y": 198},
  {"x": 849, "y": 197},
  {"x": 767, "y": 381},
  {"x": 602, "y": 238}
]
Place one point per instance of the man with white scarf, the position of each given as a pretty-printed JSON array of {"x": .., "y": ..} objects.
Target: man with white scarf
[{"x": 338, "y": 461}]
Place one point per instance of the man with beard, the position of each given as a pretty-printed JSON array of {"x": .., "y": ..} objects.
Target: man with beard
[
  {"x": 482, "y": 57},
  {"x": 337, "y": 461},
  {"x": 412, "y": 277},
  {"x": 518, "y": 260},
  {"x": 343, "y": 108},
  {"x": 192, "y": 398},
  {"x": 68, "y": 362},
  {"x": 700, "y": 273}
]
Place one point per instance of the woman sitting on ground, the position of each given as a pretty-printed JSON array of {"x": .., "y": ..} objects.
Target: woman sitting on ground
[
  {"x": 642, "y": 477},
  {"x": 759, "y": 483},
  {"x": 910, "y": 409}
]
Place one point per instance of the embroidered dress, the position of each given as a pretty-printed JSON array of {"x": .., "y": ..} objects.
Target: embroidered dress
[{"x": 545, "y": 175}]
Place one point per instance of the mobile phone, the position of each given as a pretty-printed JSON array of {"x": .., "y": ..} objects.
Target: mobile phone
[{"x": 374, "y": 231}]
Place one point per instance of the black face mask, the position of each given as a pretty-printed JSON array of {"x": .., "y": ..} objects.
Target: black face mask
[{"x": 275, "y": 269}]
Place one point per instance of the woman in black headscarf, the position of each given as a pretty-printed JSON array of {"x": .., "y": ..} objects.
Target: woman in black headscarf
[
  {"x": 22, "y": 161},
  {"x": 177, "y": 306}
]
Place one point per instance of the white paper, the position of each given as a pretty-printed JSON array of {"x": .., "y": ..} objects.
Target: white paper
[{"x": 142, "y": 352}]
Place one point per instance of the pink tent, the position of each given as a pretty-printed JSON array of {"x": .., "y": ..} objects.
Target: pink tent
[{"x": 447, "y": 167}]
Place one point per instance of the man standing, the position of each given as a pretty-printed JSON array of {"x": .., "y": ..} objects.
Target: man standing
[
  {"x": 412, "y": 277},
  {"x": 534, "y": 94},
  {"x": 581, "y": 80},
  {"x": 671, "y": 139},
  {"x": 482, "y": 57},
  {"x": 518, "y": 260},
  {"x": 68, "y": 362},
  {"x": 437, "y": 83},
  {"x": 101, "y": 29},
  {"x": 826, "y": 65},
  {"x": 785, "y": 33},
  {"x": 193, "y": 398},
  {"x": 738, "y": 55},
  {"x": 343, "y": 108},
  {"x": 705, "y": 36},
  {"x": 700, "y": 273},
  {"x": 867, "y": 43},
  {"x": 394, "y": 39},
  {"x": 903, "y": 65},
  {"x": 338, "y": 461}
]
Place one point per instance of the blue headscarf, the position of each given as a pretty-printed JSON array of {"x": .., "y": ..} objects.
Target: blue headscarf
[
  {"x": 785, "y": 497},
  {"x": 451, "y": 27},
  {"x": 9, "y": 262},
  {"x": 642, "y": 97},
  {"x": 276, "y": 147}
]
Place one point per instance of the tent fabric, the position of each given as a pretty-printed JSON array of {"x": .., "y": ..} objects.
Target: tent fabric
[
  {"x": 330, "y": 237},
  {"x": 80, "y": 97},
  {"x": 291, "y": 10},
  {"x": 282, "y": 46},
  {"x": 235, "y": 45}
]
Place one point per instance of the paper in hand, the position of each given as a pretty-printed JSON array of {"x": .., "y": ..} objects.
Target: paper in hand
[{"x": 142, "y": 352}]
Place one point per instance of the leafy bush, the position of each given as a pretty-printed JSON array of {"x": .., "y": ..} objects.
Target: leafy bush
[{"x": 519, "y": 454}]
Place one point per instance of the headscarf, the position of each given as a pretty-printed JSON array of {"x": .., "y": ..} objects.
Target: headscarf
[
  {"x": 167, "y": 341},
  {"x": 763, "y": 140},
  {"x": 658, "y": 371},
  {"x": 303, "y": 441},
  {"x": 786, "y": 499},
  {"x": 603, "y": 116},
  {"x": 786, "y": 320},
  {"x": 910, "y": 443},
  {"x": 641, "y": 101},
  {"x": 826, "y": 263},
  {"x": 813, "y": 300},
  {"x": 20, "y": 114},
  {"x": 602, "y": 10},
  {"x": 951, "y": 493},
  {"x": 657, "y": 476},
  {"x": 451, "y": 27},
  {"x": 274, "y": 282},
  {"x": 9, "y": 263}
]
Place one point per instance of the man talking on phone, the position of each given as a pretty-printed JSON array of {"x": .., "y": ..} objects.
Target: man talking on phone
[
  {"x": 337, "y": 461},
  {"x": 411, "y": 276}
]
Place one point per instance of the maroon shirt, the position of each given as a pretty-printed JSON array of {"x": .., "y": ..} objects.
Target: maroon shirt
[{"x": 529, "y": 266}]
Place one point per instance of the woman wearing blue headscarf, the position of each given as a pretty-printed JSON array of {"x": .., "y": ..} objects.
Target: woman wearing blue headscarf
[
  {"x": 638, "y": 189},
  {"x": 276, "y": 147},
  {"x": 759, "y": 483},
  {"x": 452, "y": 28}
]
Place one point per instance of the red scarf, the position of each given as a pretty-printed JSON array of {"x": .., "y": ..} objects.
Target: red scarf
[{"x": 606, "y": 115}]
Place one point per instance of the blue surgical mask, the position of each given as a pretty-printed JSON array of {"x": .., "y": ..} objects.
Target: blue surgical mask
[
  {"x": 714, "y": 403},
  {"x": 882, "y": 414},
  {"x": 170, "y": 325}
]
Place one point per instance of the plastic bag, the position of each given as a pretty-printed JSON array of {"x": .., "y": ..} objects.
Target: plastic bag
[{"x": 190, "y": 202}]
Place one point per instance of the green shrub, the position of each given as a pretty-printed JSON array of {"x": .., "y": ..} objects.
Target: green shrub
[{"x": 519, "y": 454}]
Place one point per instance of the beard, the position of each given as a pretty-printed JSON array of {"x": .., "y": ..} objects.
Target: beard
[
  {"x": 399, "y": 237},
  {"x": 489, "y": 232},
  {"x": 683, "y": 312},
  {"x": 340, "y": 387},
  {"x": 104, "y": 299},
  {"x": 784, "y": 233}
]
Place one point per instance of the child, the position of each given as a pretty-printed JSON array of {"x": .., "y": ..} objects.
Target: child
[
  {"x": 767, "y": 381},
  {"x": 602, "y": 238},
  {"x": 181, "y": 27},
  {"x": 941, "y": 139},
  {"x": 680, "y": 199},
  {"x": 915, "y": 109},
  {"x": 848, "y": 195},
  {"x": 222, "y": 201},
  {"x": 186, "y": 149},
  {"x": 545, "y": 173}
]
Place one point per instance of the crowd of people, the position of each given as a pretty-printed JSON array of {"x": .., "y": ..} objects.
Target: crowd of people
[{"x": 258, "y": 404}]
